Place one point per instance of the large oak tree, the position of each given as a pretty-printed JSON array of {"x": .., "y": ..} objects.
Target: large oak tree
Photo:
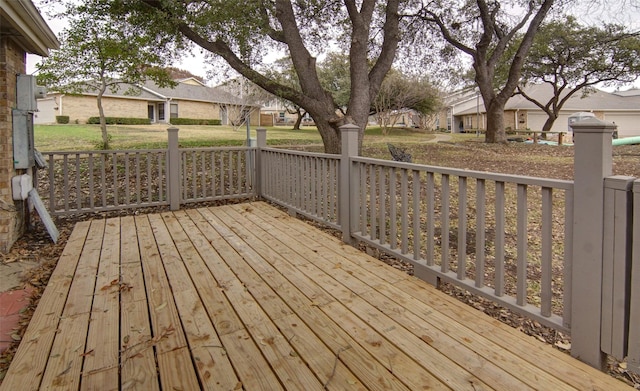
[
  {"x": 569, "y": 58},
  {"x": 242, "y": 32},
  {"x": 484, "y": 30}
]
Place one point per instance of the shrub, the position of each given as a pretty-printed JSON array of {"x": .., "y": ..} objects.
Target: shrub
[
  {"x": 62, "y": 119},
  {"x": 120, "y": 121},
  {"x": 191, "y": 121}
]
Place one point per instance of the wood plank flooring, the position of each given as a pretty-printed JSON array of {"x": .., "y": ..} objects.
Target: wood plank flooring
[{"x": 246, "y": 297}]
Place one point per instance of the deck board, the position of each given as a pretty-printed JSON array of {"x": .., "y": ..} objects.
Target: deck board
[{"x": 247, "y": 297}]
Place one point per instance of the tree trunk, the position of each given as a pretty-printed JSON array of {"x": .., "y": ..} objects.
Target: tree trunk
[
  {"x": 495, "y": 123},
  {"x": 103, "y": 122},
  {"x": 548, "y": 124},
  {"x": 296, "y": 126},
  {"x": 330, "y": 133}
]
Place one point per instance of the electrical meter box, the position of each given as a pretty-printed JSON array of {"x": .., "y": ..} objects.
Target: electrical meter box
[
  {"x": 23, "y": 145},
  {"x": 27, "y": 92}
]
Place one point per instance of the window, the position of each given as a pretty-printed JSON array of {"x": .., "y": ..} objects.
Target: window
[
  {"x": 161, "y": 111},
  {"x": 173, "y": 110}
]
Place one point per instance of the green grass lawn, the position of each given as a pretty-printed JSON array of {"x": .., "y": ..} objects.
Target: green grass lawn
[{"x": 87, "y": 137}]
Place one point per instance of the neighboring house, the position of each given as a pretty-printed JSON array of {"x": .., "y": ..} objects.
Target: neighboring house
[
  {"x": 278, "y": 112},
  {"x": 22, "y": 31},
  {"x": 189, "y": 99},
  {"x": 464, "y": 111}
]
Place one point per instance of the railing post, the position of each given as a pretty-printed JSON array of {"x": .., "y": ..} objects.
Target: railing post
[
  {"x": 618, "y": 208},
  {"x": 173, "y": 169},
  {"x": 349, "y": 136},
  {"x": 633, "y": 359},
  {"x": 592, "y": 163},
  {"x": 261, "y": 136}
]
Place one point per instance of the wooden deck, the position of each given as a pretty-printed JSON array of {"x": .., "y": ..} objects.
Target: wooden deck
[{"x": 246, "y": 297}]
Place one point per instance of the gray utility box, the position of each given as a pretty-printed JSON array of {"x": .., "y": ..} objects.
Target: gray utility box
[
  {"x": 23, "y": 141},
  {"x": 27, "y": 92},
  {"x": 23, "y": 148}
]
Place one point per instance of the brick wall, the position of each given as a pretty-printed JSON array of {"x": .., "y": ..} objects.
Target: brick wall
[
  {"x": 12, "y": 214},
  {"x": 197, "y": 110},
  {"x": 80, "y": 108}
]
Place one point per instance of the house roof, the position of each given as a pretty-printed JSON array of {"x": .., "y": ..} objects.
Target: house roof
[
  {"x": 126, "y": 90},
  {"x": 194, "y": 92},
  {"x": 186, "y": 89},
  {"x": 21, "y": 20},
  {"x": 596, "y": 101}
]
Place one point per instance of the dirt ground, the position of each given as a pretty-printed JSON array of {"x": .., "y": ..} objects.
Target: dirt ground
[{"x": 33, "y": 258}]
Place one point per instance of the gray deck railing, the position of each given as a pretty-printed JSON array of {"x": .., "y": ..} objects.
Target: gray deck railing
[
  {"x": 561, "y": 252},
  {"x": 210, "y": 174},
  {"x": 100, "y": 181},
  {"x": 92, "y": 181},
  {"x": 306, "y": 183},
  {"x": 558, "y": 251},
  {"x": 503, "y": 237}
]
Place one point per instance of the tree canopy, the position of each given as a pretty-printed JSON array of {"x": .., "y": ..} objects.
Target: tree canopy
[
  {"x": 570, "y": 58},
  {"x": 484, "y": 30},
  {"x": 243, "y": 32},
  {"x": 99, "y": 54}
]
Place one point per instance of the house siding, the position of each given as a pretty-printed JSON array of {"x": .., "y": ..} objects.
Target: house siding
[
  {"x": 12, "y": 213},
  {"x": 80, "y": 108},
  {"x": 197, "y": 110}
]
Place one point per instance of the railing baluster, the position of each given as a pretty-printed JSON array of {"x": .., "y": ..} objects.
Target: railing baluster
[
  {"x": 52, "y": 184},
  {"x": 91, "y": 184},
  {"x": 462, "y": 228},
  {"x": 65, "y": 180},
  {"x": 382, "y": 171},
  {"x": 521, "y": 279},
  {"x": 499, "y": 241},
  {"x": 222, "y": 170},
  {"x": 137, "y": 190},
  {"x": 114, "y": 158},
  {"x": 363, "y": 199},
  {"x": 431, "y": 219},
  {"x": 404, "y": 211},
  {"x": 127, "y": 190},
  {"x": 103, "y": 178},
  {"x": 444, "y": 223},
  {"x": 78, "y": 183},
  {"x": 480, "y": 232},
  {"x": 373, "y": 199},
  {"x": 149, "y": 160},
  {"x": 547, "y": 256},
  {"x": 238, "y": 188},
  {"x": 567, "y": 264},
  {"x": 393, "y": 214},
  {"x": 416, "y": 214},
  {"x": 163, "y": 171},
  {"x": 313, "y": 197}
]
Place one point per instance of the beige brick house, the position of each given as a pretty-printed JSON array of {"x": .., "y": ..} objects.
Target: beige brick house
[
  {"x": 189, "y": 99},
  {"x": 465, "y": 111},
  {"x": 22, "y": 31}
]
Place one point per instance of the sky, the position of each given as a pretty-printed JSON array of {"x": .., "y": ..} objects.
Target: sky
[{"x": 592, "y": 12}]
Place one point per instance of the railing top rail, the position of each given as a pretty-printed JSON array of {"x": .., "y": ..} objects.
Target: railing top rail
[
  {"x": 103, "y": 152},
  {"x": 303, "y": 153},
  {"x": 518, "y": 179},
  {"x": 227, "y": 148}
]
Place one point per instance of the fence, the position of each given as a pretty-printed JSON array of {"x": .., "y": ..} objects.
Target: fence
[
  {"x": 99, "y": 181},
  {"x": 561, "y": 252}
]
